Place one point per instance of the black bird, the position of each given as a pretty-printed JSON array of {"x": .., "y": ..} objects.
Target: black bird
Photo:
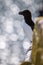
[{"x": 27, "y": 17}]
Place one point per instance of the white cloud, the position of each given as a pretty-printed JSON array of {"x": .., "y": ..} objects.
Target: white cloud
[
  {"x": 8, "y": 2},
  {"x": 2, "y": 42},
  {"x": 2, "y": 18},
  {"x": 17, "y": 24},
  {"x": 8, "y": 13},
  {"x": 14, "y": 8},
  {"x": 9, "y": 25},
  {"x": 28, "y": 1},
  {"x": 15, "y": 60},
  {"x": 28, "y": 56},
  {"x": 19, "y": 30},
  {"x": 13, "y": 37},
  {"x": 26, "y": 45},
  {"x": 21, "y": 33}
]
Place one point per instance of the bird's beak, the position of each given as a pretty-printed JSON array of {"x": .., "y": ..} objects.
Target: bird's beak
[{"x": 20, "y": 13}]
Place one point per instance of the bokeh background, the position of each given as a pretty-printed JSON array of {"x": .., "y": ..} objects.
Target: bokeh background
[{"x": 15, "y": 34}]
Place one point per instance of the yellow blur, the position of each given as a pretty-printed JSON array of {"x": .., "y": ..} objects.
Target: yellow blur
[{"x": 37, "y": 45}]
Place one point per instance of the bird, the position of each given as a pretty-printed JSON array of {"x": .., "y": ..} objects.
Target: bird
[{"x": 28, "y": 18}]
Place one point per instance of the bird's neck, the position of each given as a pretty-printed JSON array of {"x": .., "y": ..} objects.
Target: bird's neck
[{"x": 32, "y": 26}]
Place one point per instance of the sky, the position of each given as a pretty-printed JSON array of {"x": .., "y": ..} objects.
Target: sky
[{"x": 15, "y": 34}]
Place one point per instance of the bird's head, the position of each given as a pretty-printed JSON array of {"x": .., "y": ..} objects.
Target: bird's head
[
  {"x": 25, "y": 13},
  {"x": 27, "y": 18}
]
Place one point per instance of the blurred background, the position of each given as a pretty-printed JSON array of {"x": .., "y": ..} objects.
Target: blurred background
[{"x": 15, "y": 34}]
